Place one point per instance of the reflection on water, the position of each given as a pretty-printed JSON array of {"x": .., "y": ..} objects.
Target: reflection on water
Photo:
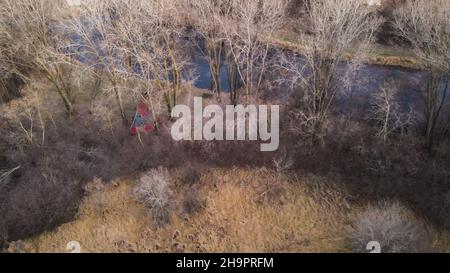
[
  {"x": 411, "y": 85},
  {"x": 367, "y": 80},
  {"x": 364, "y": 83},
  {"x": 203, "y": 81}
]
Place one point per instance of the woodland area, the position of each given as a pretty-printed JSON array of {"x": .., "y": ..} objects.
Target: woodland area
[{"x": 364, "y": 152}]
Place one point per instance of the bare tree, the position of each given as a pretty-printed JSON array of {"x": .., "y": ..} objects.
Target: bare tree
[
  {"x": 96, "y": 44},
  {"x": 342, "y": 33},
  {"x": 29, "y": 116},
  {"x": 387, "y": 113},
  {"x": 248, "y": 26},
  {"x": 30, "y": 41},
  {"x": 208, "y": 35},
  {"x": 136, "y": 39},
  {"x": 153, "y": 47},
  {"x": 426, "y": 25},
  {"x": 166, "y": 60}
]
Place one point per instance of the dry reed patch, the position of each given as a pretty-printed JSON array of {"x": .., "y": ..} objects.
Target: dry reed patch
[
  {"x": 440, "y": 240},
  {"x": 108, "y": 221},
  {"x": 235, "y": 219},
  {"x": 306, "y": 215}
]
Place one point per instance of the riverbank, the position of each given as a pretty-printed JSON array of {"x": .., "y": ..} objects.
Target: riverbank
[{"x": 382, "y": 55}]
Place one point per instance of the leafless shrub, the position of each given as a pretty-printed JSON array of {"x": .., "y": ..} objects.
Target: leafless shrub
[
  {"x": 393, "y": 226},
  {"x": 190, "y": 174},
  {"x": 153, "y": 191},
  {"x": 30, "y": 116},
  {"x": 387, "y": 113},
  {"x": 303, "y": 126},
  {"x": 193, "y": 202},
  {"x": 283, "y": 163}
]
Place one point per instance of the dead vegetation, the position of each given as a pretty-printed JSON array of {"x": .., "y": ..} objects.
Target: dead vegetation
[
  {"x": 316, "y": 218},
  {"x": 153, "y": 191},
  {"x": 155, "y": 195},
  {"x": 393, "y": 226},
  {"x": 232, "y": 220}
]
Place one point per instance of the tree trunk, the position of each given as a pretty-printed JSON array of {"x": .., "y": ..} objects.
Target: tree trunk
[{"x": 120, "y": 102}]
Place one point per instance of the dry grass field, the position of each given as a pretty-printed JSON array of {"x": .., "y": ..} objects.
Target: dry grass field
[{"x": 245, "y": 210}]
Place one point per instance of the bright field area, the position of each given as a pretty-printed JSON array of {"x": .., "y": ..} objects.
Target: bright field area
[{"x": 244, "y": 210}]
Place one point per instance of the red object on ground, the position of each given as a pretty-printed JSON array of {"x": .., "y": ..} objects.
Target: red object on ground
[
  {"x": 143, "y": 110},
  {"x": 142, "y": 121},
  {"x": 149, "y": 128}
]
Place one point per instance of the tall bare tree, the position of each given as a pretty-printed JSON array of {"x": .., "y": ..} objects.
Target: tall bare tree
[
  {"x": 342, "y": 33},
  {"x": 426, "y": 25},
  {"x": 133, "y": 39},
  {"x": 207, "y": 17},
  {"x": 248, "y": 26},
  {"x": 152, "y": 47},
  {"x": 164, "y": 36},
  {"x": 30, "y": 41},
  {"x": 96, "y": 43}
]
